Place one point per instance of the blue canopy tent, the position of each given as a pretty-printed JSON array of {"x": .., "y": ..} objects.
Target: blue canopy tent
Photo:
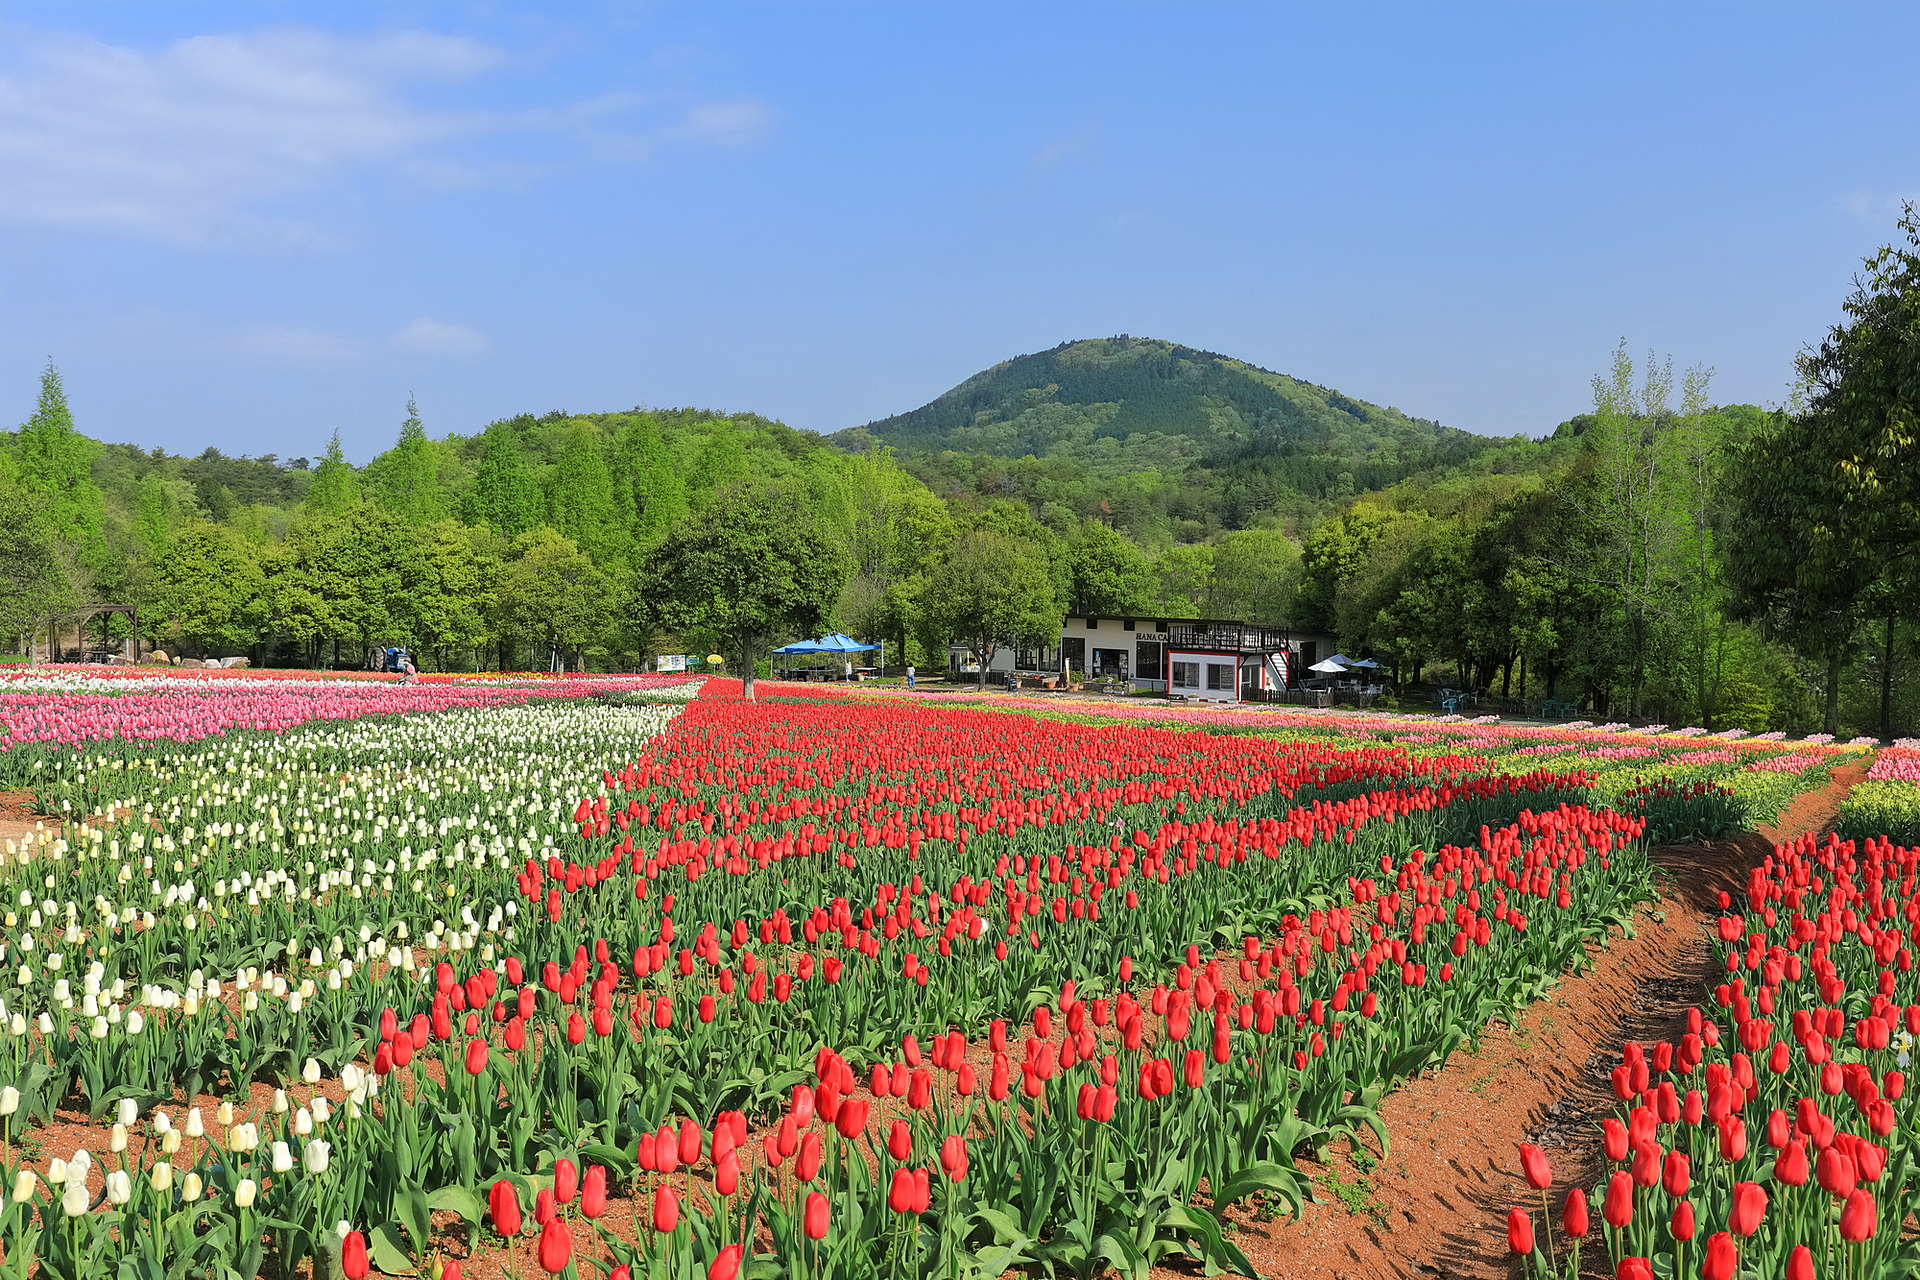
[{"x": 834, "y": 643}]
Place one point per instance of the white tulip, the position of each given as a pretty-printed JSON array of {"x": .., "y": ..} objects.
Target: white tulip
[
  {"x": 190, "y": 1189},
  {"x": 316, "y": 1155},
  {"x": 302, "y": 1122},
  {"x": 162, "y": 1176},
  {"x": 117, "y": 1138},
  {"x": 279, "y": 1102},
  {"x": 9, "y": 1100},
  {"x": 57, "y": 1171},
  {"x": 170, "y": 1142},
  {"x": 135, "y": 1023},
  {"x": 119, "y": 1187},
  {"x": 127, "y": 1112},
  {"x": 311, "y": 1072},
  {"x": 195, "y": 1127},
  {"x": 244, "y": 1193},
  {"x": 161, "y": 1122},
  {"x": 23, "y": 1184},
  {"x": 282, "y": 1157},
  {"x": 224, "y": 1114},
  {"x": 75, "y": 1200}
]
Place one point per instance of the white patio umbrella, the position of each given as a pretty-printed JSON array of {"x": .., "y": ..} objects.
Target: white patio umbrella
[{"x": 1331, "y": 666}]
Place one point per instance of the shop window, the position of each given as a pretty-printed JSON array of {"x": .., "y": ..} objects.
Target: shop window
[
  {"x": 1148, "y": 658},
  {"x": 1186, "y": 675},
  {"x": 1220, "y": 675}
]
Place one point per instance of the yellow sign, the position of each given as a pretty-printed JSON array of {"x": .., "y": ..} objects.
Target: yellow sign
[{"x": 714, "y": 657}]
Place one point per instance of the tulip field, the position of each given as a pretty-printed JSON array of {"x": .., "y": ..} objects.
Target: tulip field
[
  {"x": 1773, "y": 1138},
  {"x": 350, "y": 977}
]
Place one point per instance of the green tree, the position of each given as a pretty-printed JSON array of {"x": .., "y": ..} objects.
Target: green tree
[
  {"x": 754, "y": 566},
  {"x": 209, "y": 589},
  {"x": 449, "y": 589},
  {"x": 1111, "y": 576},
  {"x": 504, "y": 495},
  {"x": 341, "y": 577},
  {"x": 57, "y": 460},
  {"x": 555, "y": 594},
  {"x": 335, "y": 487},
  {"x": 1256, "y": 575},
  {"x": 648, "y": 491},
  {"x": 33, "y": 578},
  {"x": 991, "y": 590},
  {"x": 580, "y": 493},
  {"x": 406, "y": 478}
]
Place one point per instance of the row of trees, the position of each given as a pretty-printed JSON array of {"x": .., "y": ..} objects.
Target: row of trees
[{"x": 565, "y": 534}]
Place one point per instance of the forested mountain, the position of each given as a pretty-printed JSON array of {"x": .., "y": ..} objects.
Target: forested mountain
[{"x": 1164, "y": 442}]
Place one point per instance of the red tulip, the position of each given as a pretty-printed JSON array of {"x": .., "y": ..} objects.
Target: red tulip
[
  {"x": 503, "y": 1204},
  {"x": 666, "y": 1209},
  {"x": 593, "y": 1192},
  {"x": 353, "y": 1256},
  {"x": 1533, "y": 1163},
  {"x": 1617, "y": 1208},
  {"x": 815, "y": 1216},
  {"x": 953, "y": 1157},
  {"x": 1678, "y": 1174},
  {"x": 1681, "y": 1224},
  {"x": 1790, "y": 1166},
  {"x": 1749, "y": 1207},
  {"x": 1646, "y": 1164},
  {"x": 1800, "y": 1264},
  {"x": 726, "y": 1263},
  {"x": 1835, "y": 1172},
  {"x": 1573, "y": 1213},
  {"x": 1723, "y": 1257},
  {"x": 1859, "y": 1217},
  {"x": 556, "y": 1247},
  {"x": 899, "y": 1140},
  {"x": 900, "y": 1197},
  {"x": 689, "y": 1142},
  {"x": 807, "y": 1167},
  {"x": 1634, "y": 1269},
  {"x": 726, "y": 1173},
  {"x": 1614, "y": 1135},
  {"x": 543, "y": 1210},
  {"x": 1519, "y": 1231},
  {"x": 566, "y": 1181}
]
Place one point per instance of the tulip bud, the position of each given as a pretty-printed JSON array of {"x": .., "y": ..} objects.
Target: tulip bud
[
  {"x": 119, "y": 1187},
  {"x": 127, "y": 1112},
  {"x": 316, "y": 1155},
  {"x": 282, "y": 1157},
  {"x": 244, "y": 1192},
  {"x": 23, "y": 1185}
]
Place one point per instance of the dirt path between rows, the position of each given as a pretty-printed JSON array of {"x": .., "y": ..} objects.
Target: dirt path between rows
[{"x": 1435, "y": 1206}]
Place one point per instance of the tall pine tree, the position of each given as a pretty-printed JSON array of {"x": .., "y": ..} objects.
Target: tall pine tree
[
  {"x": 580, "y": 495},
  {"x": 335, "y": 486},
  {"x": 58, "y": 460},
  {"x": 647, "y": 489},
  {"x": 406, "y": 478},
  {"x": 504, "y": 495}
]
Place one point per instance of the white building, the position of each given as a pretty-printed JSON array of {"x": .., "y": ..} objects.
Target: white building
[{"x": 1194, "y": 658}]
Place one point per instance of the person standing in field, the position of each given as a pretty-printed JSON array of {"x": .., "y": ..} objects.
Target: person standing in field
[{"x": 909, "y": 677}]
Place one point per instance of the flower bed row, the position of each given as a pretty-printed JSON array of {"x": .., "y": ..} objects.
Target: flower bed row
[{"x": 1775, "y": 1137}]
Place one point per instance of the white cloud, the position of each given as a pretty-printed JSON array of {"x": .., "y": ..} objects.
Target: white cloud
[
  {"x": 431, "y": 337},
  {"x": 184, "y": 144}
]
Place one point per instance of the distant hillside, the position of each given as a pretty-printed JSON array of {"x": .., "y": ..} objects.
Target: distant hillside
[{"x": 1238, "y": 439}]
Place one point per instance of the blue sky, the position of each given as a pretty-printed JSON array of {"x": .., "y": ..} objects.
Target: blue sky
[{"x": 249, "y": 225}]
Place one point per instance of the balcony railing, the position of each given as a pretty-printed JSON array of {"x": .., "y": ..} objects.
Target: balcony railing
[{"x": 1226, "y": 637}]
